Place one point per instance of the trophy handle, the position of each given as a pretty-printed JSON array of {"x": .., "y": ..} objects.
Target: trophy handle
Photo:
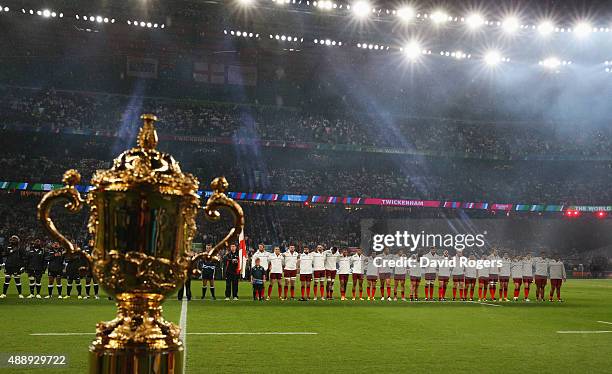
[
  {"x": 73, "y": 203},
  {"x": 211, "y": 211}
]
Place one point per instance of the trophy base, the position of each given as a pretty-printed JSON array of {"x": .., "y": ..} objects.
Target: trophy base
[
  {"x": 138, "y": 340},
  {"x": 136, "y": 361}
]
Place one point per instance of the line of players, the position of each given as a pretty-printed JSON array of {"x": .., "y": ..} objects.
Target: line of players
[
  {"x": 320, "y": 267},
  {"x": 35, "y": 260}
]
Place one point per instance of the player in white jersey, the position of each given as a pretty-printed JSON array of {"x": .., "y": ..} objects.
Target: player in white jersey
[
  {"x": 527, "y": 274},
  {"x": 331, "y": 264},
  {"x": 444, "y": 272},
  {"x": 540, "y": 272},
  {"x": 262, "y": 255},
  {"x": 318, "y": 265},
  {"x": 371, "y": 274},
  {"x": 556, "y": 270},
  {"x": 504, "y": 277},
  {"x": 399, "y": 274},
  {"x": 415, "y": 277},
  {"x": 306, "y": 270},
  {"x": 431, "y": 270},
  {"x": 458, "y": 273},
  {"x": 290, "y": 271},
  {"x": 516, "y": 273},
  {"x": 344, "y": 270},
  {"x": 471, "y": 274},
  {"x": 483, "y": 280},
  {"x": 357, "y": 267},
  {"x": 493, "y": 273},
  {"x": 384, "y": 274},
  {"x": 275, "y": 265}
]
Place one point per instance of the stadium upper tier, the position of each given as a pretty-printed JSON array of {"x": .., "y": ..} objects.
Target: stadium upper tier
[{"x": 205, "y": 122}]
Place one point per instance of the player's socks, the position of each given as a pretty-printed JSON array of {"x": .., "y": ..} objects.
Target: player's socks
[
  {"x": 403, "y": 294},
  {"x": 492, "y": 292},
  {"x": 285, "y": 289},
  {"x": 361, "y": 292},
  {"x": 269, "y": 289},
  {"x": 454, "y": 292},
  {"x": 293, "y": 291},
  {"x": 321, "y": 288},
  {"x": 18, "y": 285},
  {"x": 6, "y": 286},
  {"x": 50, "y": 290},
  {"x": 308, "y": 291},
  {"x": 368, "y": 291},
  {"x": 353, "y": 292},
  {"x": 526, "y": 291},
  {"x": 480, "y": 292},
  {"x": 388, "y": 291},
  {"x": 31, "y": 288},
  {"x": 68, "y": 289},
  {"x": 472, "y": 293},
  {"x": 212, "y": 292},
  {"x": 302, "y": 289},
  {"x": 382, "y": 291},
  {"x": 38, "y": 288},
  {"x": 280, "y": 292}
]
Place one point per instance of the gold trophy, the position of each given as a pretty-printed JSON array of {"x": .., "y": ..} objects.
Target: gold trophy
[{"x": 142, "y": 222}]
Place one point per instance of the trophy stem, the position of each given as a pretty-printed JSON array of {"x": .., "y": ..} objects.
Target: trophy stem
[{"x": 138, "y": 340}]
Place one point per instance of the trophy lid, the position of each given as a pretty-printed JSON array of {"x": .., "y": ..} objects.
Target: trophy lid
[{"x": 145, "y": 167}]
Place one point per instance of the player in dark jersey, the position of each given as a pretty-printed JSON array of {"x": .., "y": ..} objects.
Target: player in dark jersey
[
  {"x": 36, "y": 263},
  {"x": 192, "y": 272},
  {"x": 258, "y": 278},
  {"x": 207, "y": 269},
  {"x": 73, "y": 274},
  {"x": 55, "y": 267},
  {"x": 89, "y": 278},
  {"x": 14, "y": 264}
]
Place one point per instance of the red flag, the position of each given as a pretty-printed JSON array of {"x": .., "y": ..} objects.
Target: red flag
[{"x": 242, "y": 255}]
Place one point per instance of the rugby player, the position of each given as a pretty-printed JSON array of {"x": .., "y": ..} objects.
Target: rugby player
[
  {"x": 483, "y": 280},
  {"x": 471, "y": 274},
  {"x": 344, "y": 270},
  {"x": 430, "y": 273},
  {"x": 290, "y": 271},
  {"x": 557, "y": 277},
  {"x": 318, "y": 266},
  {"x": 415, "y": 277},
  {"x": 306, "y": 271},
  {"x": 399, "y": 275},
  {"x": 371, "y": 275},
  {"x": 504, "y": 277},
  {"x": 331, "y": 263},
  {"x": 384, "y": 274},
  {"x": 458, "y": 274},
  {"x": 275, "y": 267},
  {"x": 527, "y": 275},
  {"x": 444, "y": 272},
  {"x": 516, "y": 272},
  {"x": 357, "y": 264}
]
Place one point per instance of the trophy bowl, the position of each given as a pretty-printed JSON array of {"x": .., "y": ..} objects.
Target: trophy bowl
[{"x": 142, "y": 222}]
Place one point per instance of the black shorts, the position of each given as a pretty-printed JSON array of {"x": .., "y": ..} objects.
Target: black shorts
[
  {"x": 36, "y": 273},
  {"x": 73, "y": 276},
  {"x": 54, "y": 273},
  {"x": 208, "y": 276},
  {"x": 9, "y": 270}
]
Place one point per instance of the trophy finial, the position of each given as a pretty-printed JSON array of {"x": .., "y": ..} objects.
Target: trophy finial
[{"x": 147, "y": 137}]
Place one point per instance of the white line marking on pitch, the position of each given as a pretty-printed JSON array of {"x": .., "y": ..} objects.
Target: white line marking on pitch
[
  {"x": 253, "y": 333},
  {"x": 584, "y": 332},
  {"x": 61, "y": 333},
  {"x": 481, "y": 303},
  {"x": 183, "y": 326},
  {"x": 187, "y": 333},
  {"x": 609, "y": 323}
]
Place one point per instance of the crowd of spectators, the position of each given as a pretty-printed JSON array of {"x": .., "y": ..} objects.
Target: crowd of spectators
[{"x": 77, "y": 111}]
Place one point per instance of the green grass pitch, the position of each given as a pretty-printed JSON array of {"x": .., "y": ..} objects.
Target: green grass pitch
[{"x": 351, "y": 336}]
